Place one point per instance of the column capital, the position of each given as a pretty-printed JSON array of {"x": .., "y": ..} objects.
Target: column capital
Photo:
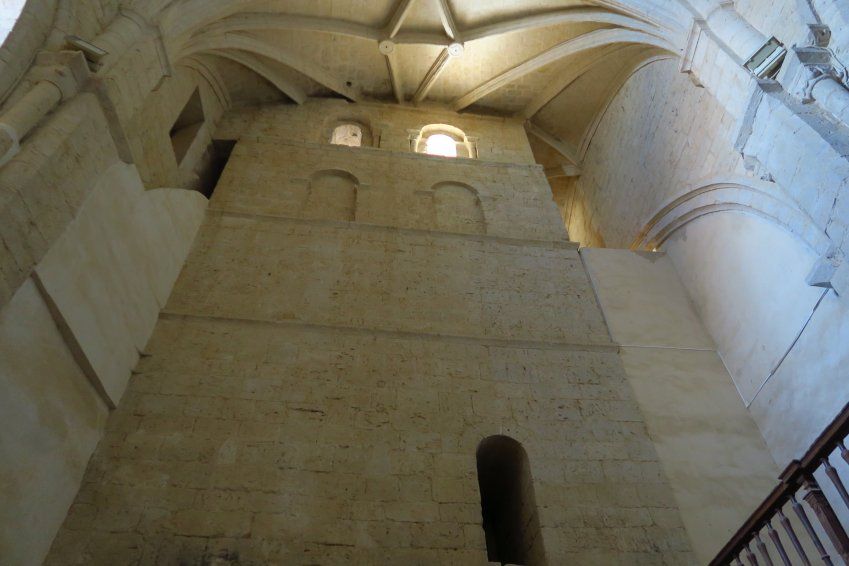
[{"x": 807, "y": 66}]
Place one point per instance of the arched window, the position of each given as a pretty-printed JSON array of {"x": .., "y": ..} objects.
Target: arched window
[
  {"x": 458, "y": 209},
  {"x": 10, "y": 11},
  {"x": 440, "y": 144},
  {"x": 348, "y": 134},
  {"x": 443, "y": 140},
  {"x": 508, "y": 505}
]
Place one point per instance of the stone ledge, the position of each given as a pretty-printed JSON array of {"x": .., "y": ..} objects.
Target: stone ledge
[
  {"x": 604, "y": 347},
  {"x": 554, "y": 244}
]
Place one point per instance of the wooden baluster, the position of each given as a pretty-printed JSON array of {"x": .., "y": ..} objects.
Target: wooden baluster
[
  {"x": 835, "y": 479},
  {"x": 827, "y": 517},
  {"x": 788, "y": 528},
  {"x": 800, "y": 512},
  {"x": 843, "y": 451},
  {"x": 750, "y": 556},
  {"x": 779, "y": 547},
  {"x": 762, "y": 549}
]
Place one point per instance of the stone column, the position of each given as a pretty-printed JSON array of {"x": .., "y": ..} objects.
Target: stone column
[
  {"x": 814, "y": 75},
  {"x": 732, "y": 30},
  {"x": 57, "y": 77}
]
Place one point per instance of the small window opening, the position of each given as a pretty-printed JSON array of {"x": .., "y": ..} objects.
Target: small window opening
[
  {"x": 508, "y": 505},
  {"x": 186, "y": 127},
  {"x": 443, "y": 140},
  {"x": 441, "y": 145},
  {"x": 766, "y": 62},
  {"x": 218, "y": 155},
  {"x": 348, "y": 134}
]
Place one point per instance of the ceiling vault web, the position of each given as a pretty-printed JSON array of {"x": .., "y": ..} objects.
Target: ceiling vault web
[
  {"x": 255, "y": 64},
  {"x": 563, "y": 148},
  {"x": 585, "y": 42},
  {"x": 260, "y": 47},
  {"x": 224, "y": 31}
]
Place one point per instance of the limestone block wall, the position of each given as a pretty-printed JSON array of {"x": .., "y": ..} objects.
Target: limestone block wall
[
  {"x": 69, "y": 337},
  {"x": 53, "y": 419},
  {"x": 660, "y": 136},
  {"x": 709, "y": 445},
  {"x": 316, "y": 389},
  {"x": 743, "y": 264},
  {"x": 44, "y": 187},
  {"x": 398, "y": 189},
  {"x": 500, "y": 140},
  {"x": 87, "y": 259},
  {"x": 112, "y": 270}
]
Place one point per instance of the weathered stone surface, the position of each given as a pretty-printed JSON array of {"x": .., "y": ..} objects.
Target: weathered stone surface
[{"x": 315, "y": 390}]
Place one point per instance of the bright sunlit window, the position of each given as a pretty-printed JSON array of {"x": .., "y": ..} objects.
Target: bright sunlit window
[
  {"x": 442, "y": 145},
  {"x": 10, "y": 11}
]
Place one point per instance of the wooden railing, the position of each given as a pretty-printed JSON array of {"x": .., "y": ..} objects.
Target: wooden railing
[{"x": 770, "y": 523}]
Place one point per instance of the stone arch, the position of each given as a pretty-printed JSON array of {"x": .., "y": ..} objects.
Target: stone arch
[
  {"x": 508, "y": 504},
  {"x": 457, "y": 208},
  {"x": 758, "y": 198},
  {"x": 466, "y": 146},
  {"x": 332, "y": 195}
]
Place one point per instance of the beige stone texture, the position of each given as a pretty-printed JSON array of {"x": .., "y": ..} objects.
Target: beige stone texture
[
  {"x": 316, "y": 388},
  {"x": 379, "y": 254},
  {"x": 675, "y": 135},
  {"x": 643, "y": 300},
  {"x": 112, "y": 270},
  {"x": 52, "y": 421},
  {"x": 708, "y": 444},
  {"x": 71, "y": 336},
  {"x": 500, "y": 140},
  {"x": 44, "y": 187}
]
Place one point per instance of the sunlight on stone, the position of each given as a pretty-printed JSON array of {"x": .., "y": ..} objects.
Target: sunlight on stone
[{"x": 442, "y": 145}]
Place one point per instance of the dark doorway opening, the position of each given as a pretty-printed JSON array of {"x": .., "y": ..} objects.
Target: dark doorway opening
[
  {"x": 213, "y": 164},
  {"x": 186, "y": 126},
  {"x": 508, "y": 505}
]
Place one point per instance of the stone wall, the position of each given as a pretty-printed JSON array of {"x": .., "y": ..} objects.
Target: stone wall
[
  {"x": 709, "y": 445},
  {"x": 69, "y": 337},
  {"x": 500, "y": 140},
  {"x": 743, "y": 261},
  {"x": 316, "y": 389},
  {"x": 660, "y": 137}
]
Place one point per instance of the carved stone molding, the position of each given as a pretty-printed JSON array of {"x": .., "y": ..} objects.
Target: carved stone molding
[{"x": 811, "y": 65}]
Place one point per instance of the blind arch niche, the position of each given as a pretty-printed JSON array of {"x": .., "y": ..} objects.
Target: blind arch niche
[
  {"x": 332, "y": 195},
  {"x": 458, "y": 208},
  {"x": 508, "y": 505}
]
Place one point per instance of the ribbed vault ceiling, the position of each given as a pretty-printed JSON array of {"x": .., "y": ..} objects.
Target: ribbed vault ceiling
[{"x": 556, "y": 62}]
